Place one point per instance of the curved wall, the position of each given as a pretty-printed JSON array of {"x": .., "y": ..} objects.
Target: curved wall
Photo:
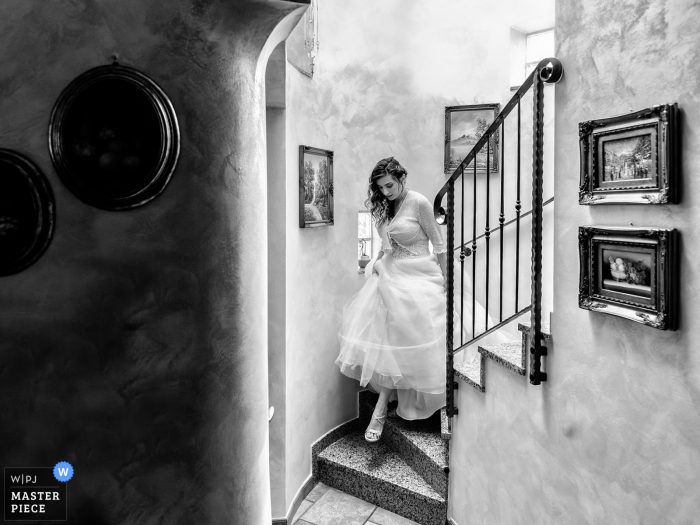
[{"x": 134, "y": 347}]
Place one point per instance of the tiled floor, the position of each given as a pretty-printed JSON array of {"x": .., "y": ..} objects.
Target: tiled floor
[{"x": 327, "y": 506}]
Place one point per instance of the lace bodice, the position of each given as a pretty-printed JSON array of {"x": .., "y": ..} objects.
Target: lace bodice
[{"x": 407, "y": 234}]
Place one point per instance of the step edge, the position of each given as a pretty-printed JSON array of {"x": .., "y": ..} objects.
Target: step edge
[
  {"x": 394, "y": 498},
  {"x": 439, "y": 499},
  {"x": 433, "y": 473},
  {"x": 518, "y": 368},
  {"x": 330, "y": 437},
  {"x": 524, "y": 326},
  {"x": 481, "y": 387},
  {"x": 402, "y": 432}
]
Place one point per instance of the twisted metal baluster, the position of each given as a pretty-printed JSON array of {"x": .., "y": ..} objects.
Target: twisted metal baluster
[
  {"x": 536, "y": 375},
  {"x": 501, "y": 220},
  {"x": 451, "y": 409}
]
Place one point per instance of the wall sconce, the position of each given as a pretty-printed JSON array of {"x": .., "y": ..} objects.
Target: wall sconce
[{"x": 311, "y": 32}]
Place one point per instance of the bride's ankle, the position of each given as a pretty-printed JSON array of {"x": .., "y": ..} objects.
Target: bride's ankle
[{"x": 379, "y": 411}]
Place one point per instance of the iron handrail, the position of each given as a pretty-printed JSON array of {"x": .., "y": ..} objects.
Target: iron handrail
[
  {"x": 548, "y": 70},
  {"x": 529, "y": 212}
]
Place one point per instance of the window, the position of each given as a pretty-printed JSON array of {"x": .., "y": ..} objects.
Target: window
[
  {"x": 538, "y": 46},
  {"x": 364, "y": 239},
  {"x": 527, "y": 48}
]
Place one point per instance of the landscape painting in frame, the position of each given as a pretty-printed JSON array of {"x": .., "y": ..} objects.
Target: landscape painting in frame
[
  {"x": 464, "y": 126},
  {"x": 315, "y": 187}
]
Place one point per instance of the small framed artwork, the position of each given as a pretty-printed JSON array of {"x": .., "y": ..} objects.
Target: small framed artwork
[
  {"x": 27, "y": 212},
  {"x": 464, "y": 126},
  {"x": 114, "y": 138},
  {"x": 631, "y": 159},
  {"x": 630, "y": 273},
  {"x": 315, "y": 187}
]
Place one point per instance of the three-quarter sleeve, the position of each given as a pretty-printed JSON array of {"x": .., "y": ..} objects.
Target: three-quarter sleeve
[{"x": 426, "y": 219}]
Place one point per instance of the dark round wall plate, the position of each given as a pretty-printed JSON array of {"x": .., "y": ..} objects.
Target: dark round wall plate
[
  {"x": 114, "y": 138},
  {"x": 27, "y": 212}
]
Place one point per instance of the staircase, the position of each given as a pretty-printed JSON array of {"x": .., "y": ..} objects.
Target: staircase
[
  {"x": 405, "y": 472},
  {"x": 464, "y": 205},
  {"x": 512, "y": 355}
]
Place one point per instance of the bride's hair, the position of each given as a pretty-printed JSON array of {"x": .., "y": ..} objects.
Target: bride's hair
[{"x": 377, "y": 203}]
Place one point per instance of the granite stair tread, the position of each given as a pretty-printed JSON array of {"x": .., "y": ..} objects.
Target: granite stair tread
[
  {"x": 472, "y": 372},
  {"x": 378, "y": 461},
  {"x": 377, "y": 474},
  {"x": 546, "y": 330},
  {"x": 426, "y": 438},
  {"x": 511, "y": 355},
  {"x": 419, "y": 443}
]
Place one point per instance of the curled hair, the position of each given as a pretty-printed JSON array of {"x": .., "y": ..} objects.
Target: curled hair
[{"x": 376, "y": 202}]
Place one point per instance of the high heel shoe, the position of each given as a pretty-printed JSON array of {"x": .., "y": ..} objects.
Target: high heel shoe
[{"x": 373, "y": 436}]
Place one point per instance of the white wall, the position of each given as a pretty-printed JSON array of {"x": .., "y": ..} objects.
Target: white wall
[
  {"x": 613, "y": 436},
  {"x": 277, "y": 328},
  {"x": 385, "y": 72}
]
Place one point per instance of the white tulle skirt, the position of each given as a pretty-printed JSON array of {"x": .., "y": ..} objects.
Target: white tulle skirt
[{"x": 393, "y": 334}]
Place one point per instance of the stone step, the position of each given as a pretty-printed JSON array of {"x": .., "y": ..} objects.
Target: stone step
[
  {"x": 376, "y": 473},
  {"x": 472, "y": 372},
  {"x": 511, "y": 355},
  {"x": 524, "y": 327},
  {"x": 419, "y": 443}
]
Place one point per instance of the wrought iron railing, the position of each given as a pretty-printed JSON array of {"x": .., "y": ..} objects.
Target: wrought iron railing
[{"x": 547, "y": 71}]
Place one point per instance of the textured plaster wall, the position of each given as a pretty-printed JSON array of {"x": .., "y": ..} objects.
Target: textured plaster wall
[
  {"x": 277, "y": 332},
  {"x": 135, "y": 348},
  {"x": 614, "y": 435},
  {"x": 384, "y": 74}
]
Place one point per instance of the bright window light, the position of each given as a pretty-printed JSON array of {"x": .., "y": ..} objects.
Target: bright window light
[
  {"x": 538, "y": 46},
  {"x": 364, "y": 233}
]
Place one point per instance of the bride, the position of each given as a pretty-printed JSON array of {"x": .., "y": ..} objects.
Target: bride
[{"x": 393, "y": 331}]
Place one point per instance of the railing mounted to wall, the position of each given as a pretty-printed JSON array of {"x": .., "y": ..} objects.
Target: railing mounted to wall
[{"x": 548, "y": 71}]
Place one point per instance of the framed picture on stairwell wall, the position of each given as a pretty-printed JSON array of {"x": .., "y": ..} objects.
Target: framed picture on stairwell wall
[
  {"x": 315, "y": 187},
  {"x": 630, "y": 273},
  {"x": 631, "y": 159},
  {"x": 464, "y": 126}
]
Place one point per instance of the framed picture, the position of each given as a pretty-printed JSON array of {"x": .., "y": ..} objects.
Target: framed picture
[
  {"x": 630, "y": 273},
  {"x": 114, "y": 138},
  {"x": 631, "y": 159},
  {"x": 27, "y": 212},
  {"x": 464, "y": 126},
  {"x": 315, "y": 187}
]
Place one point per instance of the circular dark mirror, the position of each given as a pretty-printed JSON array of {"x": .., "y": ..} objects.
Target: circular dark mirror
[
  {"x": 114, "y": 138},
  {"x": 26, "y": 212}
]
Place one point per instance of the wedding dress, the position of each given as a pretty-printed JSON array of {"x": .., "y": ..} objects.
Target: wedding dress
[{"x": 393, "y": 329}]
